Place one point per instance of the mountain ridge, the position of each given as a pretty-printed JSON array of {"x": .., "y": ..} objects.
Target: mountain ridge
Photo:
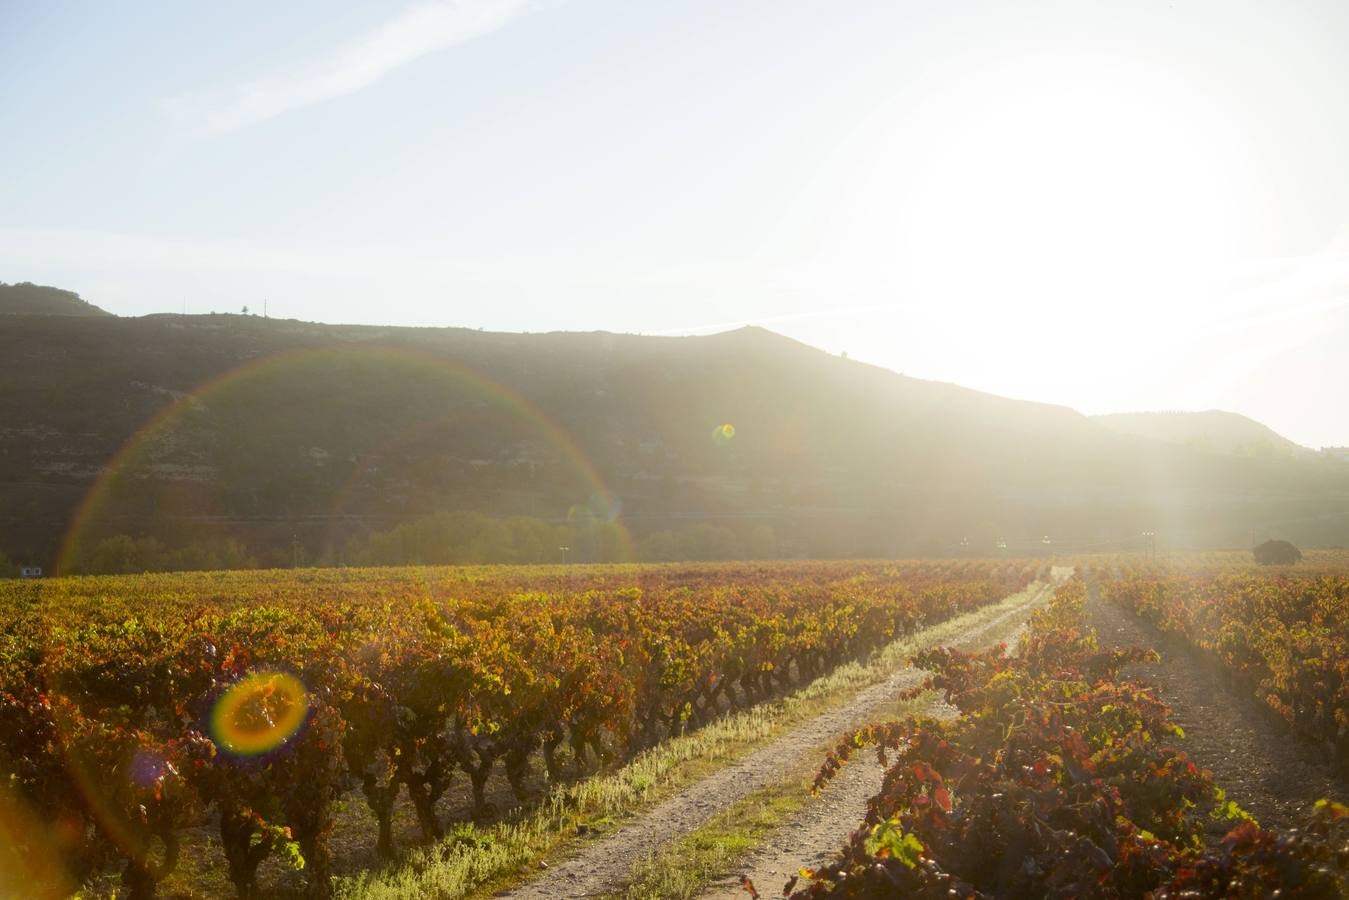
[
  {"x": 1210, "y": 430},
  {"x": 26, "y": 298},
  {"x": 275, "y": 431}
]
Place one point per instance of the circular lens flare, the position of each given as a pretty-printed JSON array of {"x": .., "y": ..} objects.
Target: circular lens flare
[
  {"x": 259, "y": 713},
  {"x": 148, "y": 767},
  {"x": 543, "y": 442}
]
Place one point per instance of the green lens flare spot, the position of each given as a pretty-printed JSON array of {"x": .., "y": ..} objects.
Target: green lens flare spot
[{"x": 259, "y": 713}]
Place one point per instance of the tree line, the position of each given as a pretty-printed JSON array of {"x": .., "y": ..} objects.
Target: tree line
[{"x": 443, "y": 538}]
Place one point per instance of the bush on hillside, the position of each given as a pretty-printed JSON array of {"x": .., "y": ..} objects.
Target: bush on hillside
[{"x": 1277, "y": 553}]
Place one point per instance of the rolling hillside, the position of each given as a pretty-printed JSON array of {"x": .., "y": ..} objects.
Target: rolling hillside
[
  {"x": 1211, "y": 431},
  {"x": 293, "y": 437},
  {"x": 26, "y": 298}
]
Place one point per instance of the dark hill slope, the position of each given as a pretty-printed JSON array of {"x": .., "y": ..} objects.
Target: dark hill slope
[
  {"x": 28, "y": 299},
  {"x": 280, "y": 431}
]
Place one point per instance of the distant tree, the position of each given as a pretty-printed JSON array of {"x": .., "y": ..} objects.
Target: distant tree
[
  {"x": 122, "y": 554},
  {"x": 7, "y": 567},
  {"x": 1277, "y": 553},
  {"x": 759, "y": 542},
  {"x": 659, "y": 546},
  {"x": 207, "y": 555},
  {"x": 459, "y": 538},
  {"x": 705, "y": 541}
]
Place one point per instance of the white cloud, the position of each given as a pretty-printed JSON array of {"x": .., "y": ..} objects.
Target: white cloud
[{"x": 421, "y": 29}]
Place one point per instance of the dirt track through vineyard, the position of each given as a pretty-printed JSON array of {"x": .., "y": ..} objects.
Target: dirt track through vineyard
[
  {"x": 813, "y": 836},
  {"x": 605, "y": 865},
  {"x": 1271, "y": 774}
]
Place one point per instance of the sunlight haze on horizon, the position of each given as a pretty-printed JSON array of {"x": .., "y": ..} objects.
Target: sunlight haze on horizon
[{"x": 1116, "y": 207}]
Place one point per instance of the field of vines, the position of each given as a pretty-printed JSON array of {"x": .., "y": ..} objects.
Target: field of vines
[
  {"x": 134, "y": 709},
  {"x": 1281, "y": 635},
  {"x": 1060, "y": 778}
]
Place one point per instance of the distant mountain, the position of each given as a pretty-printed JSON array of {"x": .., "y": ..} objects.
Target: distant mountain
[
  {"x": 295, "y": 437},
  {"x": 1211, "y": 431},
  {"x": 28, "y": 299}
]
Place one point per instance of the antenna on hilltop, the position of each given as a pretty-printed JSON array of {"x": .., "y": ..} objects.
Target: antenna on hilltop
[{"x": 264, "y": 307}]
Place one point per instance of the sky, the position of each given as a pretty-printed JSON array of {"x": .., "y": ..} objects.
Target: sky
[{"x": 1110, "y": 205}]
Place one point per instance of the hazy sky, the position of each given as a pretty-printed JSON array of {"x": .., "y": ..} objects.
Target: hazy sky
[{"x": 1112, "y": 205}]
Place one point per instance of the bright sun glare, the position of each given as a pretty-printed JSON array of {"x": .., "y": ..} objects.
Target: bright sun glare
[
  {"x": 1044, "y": 178},
  {"x": 1054, "y": 195}
]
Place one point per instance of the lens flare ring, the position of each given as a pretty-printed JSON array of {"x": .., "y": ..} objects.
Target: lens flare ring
[
  {"x": 259, "y": 713},
  {"x": 98, "y": 502}
]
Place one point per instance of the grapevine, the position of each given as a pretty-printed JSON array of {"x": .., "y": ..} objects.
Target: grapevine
[
  {"x": 132, "y": 708},
  {"x": 1059, "y": 778}
]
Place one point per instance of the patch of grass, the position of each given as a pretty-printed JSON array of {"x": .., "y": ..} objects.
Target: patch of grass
[
  {"x": 478, "y": 860},
  {"x": 690, "y": 864},
  {"x": 686, "y": 867}
]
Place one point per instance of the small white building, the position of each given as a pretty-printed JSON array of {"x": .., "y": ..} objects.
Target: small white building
[{"x": 30, "y": 572}]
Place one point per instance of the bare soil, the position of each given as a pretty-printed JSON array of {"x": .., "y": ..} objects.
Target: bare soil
[
  {"x": 1271, "y": 775},
  {"x": 604, "y": 866},
  {"x": 815, "y": 834},
  {"x": 1262, "y": 766}
]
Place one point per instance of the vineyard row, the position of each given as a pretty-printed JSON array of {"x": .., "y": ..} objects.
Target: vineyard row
[
  {"x": 132, "y": 709},
  {"x": 1060, "y": 778},
  {"x": 1281, "y": 637}
]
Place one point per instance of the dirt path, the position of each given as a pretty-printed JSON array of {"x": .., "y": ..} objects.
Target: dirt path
[
  {"x": 1260, "y": 765},
  {"x": 1277, "y": 784},
  {"x": 605, "y": 865},
  {"x": 814, "y": 835}
]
